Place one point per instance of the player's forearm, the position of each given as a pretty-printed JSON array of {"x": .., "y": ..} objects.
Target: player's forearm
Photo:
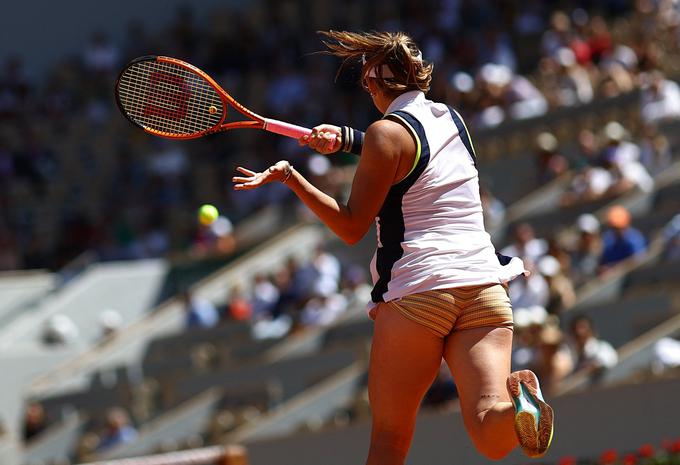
[{"x": 336, "y": 216}]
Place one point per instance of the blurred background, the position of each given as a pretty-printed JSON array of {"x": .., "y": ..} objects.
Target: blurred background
[{"x": 127, "y": 328}]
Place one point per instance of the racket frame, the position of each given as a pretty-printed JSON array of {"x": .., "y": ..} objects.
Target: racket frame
[{"x": 254, "y": 121}]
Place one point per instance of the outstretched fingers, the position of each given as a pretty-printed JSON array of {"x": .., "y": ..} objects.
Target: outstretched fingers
[
  {"x": 250, "y": 181},
  {"x": 246, "y": 171}
]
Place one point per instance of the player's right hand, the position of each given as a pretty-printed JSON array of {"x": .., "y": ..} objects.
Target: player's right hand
[{"x": 324, "y": 138}]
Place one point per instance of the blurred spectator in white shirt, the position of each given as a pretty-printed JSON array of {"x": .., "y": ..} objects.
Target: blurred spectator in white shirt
[
  {"x": 586, "y": 252},
  {"x": 264, "y": 297},
  {"x": 660, "y": 98},
  {"x": 589, "y": 351},
  {"x": 529, "y": 291},
  {"x": 110, "y": 322},
  {"x": 525, "y": 244},
  {"x": 515, "y": 96},
  {"x": 622, "y": 158},
  {"x": 322, "y": 310},
  {"x": 200, "y": 312},
  {"x": 561, "y": 293},
  {"x": 573, "y": 80},
  {"x": 60, "y": 330},
  {"x": 328, "y": 268}
]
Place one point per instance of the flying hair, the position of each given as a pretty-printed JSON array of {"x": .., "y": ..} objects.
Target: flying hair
[{"x": 391, "y": 58}]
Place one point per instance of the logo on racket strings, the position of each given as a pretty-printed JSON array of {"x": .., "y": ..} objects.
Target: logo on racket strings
[{"x": 168, "y": 96}]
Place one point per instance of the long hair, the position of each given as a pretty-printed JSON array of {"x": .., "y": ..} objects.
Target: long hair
[{"x": 380, "y": 52}]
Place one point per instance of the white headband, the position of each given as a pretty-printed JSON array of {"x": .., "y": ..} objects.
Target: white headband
[{"x": 386, "y": 71}]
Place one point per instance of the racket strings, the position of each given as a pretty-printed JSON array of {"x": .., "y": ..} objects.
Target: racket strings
[{"x": 169, "y": 98}]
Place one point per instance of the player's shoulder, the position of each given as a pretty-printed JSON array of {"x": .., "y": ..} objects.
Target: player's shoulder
[{"x": 386, "y": 129}]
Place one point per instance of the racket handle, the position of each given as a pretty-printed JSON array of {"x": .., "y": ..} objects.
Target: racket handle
[
  {"x": 285, "y": 129},
  {"x": 289, "y": 130}
]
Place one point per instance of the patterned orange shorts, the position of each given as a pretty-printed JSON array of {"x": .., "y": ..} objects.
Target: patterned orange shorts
[{"x": 446, "y": 310}]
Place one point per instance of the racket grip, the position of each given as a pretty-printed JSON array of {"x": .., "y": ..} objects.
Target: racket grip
[{"x": 289, "y": 130}]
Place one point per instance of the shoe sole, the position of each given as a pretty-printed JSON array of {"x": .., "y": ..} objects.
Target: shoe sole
[{"x": 534, "y": 434}]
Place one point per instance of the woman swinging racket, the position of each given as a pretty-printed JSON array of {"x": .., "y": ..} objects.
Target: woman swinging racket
[{"x": 439, "y": 285}]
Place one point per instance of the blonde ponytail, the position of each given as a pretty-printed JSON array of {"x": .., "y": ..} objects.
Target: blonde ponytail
[{"x": 393, "y": 59}]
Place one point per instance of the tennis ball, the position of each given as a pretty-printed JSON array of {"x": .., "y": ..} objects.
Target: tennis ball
[{"x": 207, "y": 214}]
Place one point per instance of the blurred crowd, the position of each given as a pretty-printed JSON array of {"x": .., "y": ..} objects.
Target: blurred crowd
[
  {"x": 75, "y": 176},
  {"x": 298, "y": 295}
]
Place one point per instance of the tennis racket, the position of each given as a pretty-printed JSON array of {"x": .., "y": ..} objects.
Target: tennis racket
[{"x": 169, "y": 98}]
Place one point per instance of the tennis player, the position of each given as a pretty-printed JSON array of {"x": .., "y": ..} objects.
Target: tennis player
[{"x": 439, "y": 285}]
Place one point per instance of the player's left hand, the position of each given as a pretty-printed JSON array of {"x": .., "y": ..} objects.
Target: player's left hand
[{"x": 253, "y": 180}]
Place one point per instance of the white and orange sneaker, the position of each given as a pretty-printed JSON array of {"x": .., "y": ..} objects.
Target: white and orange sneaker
[{"x": 533, "y": 416}]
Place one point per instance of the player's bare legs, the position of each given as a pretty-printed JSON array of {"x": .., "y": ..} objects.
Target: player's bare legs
[
  {"x": 479, "y": 360},
  {"x": 405, "y": 358}
]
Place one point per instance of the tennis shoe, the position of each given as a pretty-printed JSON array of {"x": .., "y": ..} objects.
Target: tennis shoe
[{"x": 533, "y": 416}]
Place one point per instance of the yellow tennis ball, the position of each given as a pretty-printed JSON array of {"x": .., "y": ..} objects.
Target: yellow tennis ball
[{"x": 207, "y": 214}]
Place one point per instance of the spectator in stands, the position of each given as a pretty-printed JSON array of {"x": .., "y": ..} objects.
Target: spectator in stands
[
  {"x": 599, "y": 38},
  {"x": 510, "y": 96},
  {"x": 494, "y": 209},
  {"x": 588, "y": 350},
  {"x": 525, "y": 244},
  {"x": 551, "y": 164},
  {"x": 528, "y": 323},
  {"x": 622, "y": 158},
  {"x": 118, "y": 430},
  {"x": 553, "y": 361},
  {"x": 559, "y": 35},
  {"x": 585, "y": 255},
  {"x": 573, "y": 84},
  {"x": 592, "y": 180},
  {"x": 239, "y": 306},
  {"x": 200, "y": 312},
  {"x": 216, "y": 238},
  {"x": 671, "y": 235},
  {"x": 561, "y": 293},
  {"x": 621, "y": 241},
  {"x": 328, "y": 270},
  {"x": 587, "y": 151},
  {"x": 35, "y": 420},
  {"x": 60, "y": 330},
  {"x": 264, "y": 296},
  {"x": 655, "y": 150},
  {"x": 86, "y": 449},
  {"x": 110, "y": 322},
  {"x": 323, "y": 310},
  {"x": 660, "y": 98},
  {"x": 557, "y": 249},
  {"x": 529, "y": 291}
]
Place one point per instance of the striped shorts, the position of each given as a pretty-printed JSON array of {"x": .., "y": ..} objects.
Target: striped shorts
[{"x": 446, "y": 310}]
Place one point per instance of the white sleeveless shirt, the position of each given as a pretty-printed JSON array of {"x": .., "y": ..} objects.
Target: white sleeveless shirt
[{"x": 430, "y": 228}]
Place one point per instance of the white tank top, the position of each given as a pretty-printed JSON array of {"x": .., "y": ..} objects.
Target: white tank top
[{"x": 430, "y": 228}]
